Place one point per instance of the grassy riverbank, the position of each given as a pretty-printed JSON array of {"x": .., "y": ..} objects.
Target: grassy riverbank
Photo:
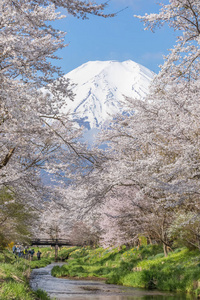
[
  {"x": 14, "y": 277},
  {"x": 144, "y": 268}
]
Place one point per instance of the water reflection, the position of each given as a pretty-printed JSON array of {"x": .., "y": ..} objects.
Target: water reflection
[{"x": 63, "y": 289}]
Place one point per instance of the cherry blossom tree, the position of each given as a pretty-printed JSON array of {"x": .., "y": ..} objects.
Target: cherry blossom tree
[
  {"x": 35, "y": 136},
  {"x": 155, "y": 146},
  {"x": 160, "y": 141},
  {"x": 83, "y": 234},
  {"x": 170, "y": 113},
  {"x": 185, "y": 230},
  {"x": 128, "y": 214},
  {"x": 182, "y": 63},
  {"x": 32, "y": 127}
]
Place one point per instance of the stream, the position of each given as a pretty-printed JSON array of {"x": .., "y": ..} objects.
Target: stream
[{"x": 67, "y": 289}]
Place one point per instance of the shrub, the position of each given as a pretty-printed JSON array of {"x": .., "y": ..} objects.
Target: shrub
[{"x": 42, "y": 295}]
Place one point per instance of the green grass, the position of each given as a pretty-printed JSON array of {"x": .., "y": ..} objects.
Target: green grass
[
  {"x": 14, "y": 278},
  {"x": 14, "y": 273},
  {"x": 63, "y": 253},
  {"x": 34, "y": 264},
  {"x": 15, "y": 290},
  {"x": 144, "y": 268}
]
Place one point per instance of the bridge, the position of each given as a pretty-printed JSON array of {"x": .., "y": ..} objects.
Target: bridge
[{"x": 53, "y": 243}]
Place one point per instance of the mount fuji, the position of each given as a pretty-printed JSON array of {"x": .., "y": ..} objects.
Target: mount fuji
[{"x": 101, "y": 85}]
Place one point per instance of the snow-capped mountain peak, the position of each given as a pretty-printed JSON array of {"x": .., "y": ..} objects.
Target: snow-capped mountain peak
[{"x": 101, "y": 85}]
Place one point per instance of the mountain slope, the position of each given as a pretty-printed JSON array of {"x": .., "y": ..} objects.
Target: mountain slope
[{"x": 100, "y": 85}]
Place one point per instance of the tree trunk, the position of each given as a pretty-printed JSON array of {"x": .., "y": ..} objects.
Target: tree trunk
[
  {"x": 165, "y": 250},
  {"x": 149, "y": 238}
]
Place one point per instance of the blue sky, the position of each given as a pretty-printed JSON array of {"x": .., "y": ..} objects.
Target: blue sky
[{"x": 119, "y": 38}]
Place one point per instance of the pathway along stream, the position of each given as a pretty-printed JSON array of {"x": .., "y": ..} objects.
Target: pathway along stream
[{"x": 65, "y": 289}]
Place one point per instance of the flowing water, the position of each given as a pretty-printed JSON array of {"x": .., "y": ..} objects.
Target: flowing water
[{"x": 66, "y": 289}]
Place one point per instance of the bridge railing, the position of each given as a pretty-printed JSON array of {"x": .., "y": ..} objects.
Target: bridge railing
[{"x": 51, "y": 242}]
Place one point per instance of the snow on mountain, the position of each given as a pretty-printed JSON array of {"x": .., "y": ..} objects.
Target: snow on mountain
[{"x": 100, "y": 86}]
